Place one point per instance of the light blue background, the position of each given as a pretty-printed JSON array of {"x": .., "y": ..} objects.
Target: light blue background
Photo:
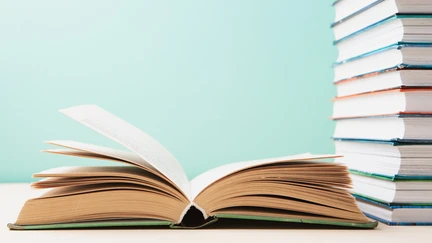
[{"x": 213, "y": 81}]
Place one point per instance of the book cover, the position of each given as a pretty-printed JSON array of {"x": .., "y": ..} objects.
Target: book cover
[
  {"x": 394, "y": 141},
  {"x": 398, "y": 46},
  {"x": 391, "y": 207},
  {"x": 396, "y": 223},
  {"x": 382, "y": 22},
  {"x": 166, "y": 224},
  {"x": 391, "y": 67},
  {"x": 377, "y": 72},
  {"x": 394, "y": 178},
  {"x": 398, "y": 115},
  {"x": 388, "y": 103},
  {"x": 355, "y": 13}
]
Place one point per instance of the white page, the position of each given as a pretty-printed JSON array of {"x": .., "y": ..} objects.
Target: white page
[
  {"x": 132, "y": 138},
  {"x": 201, "y": 182},
  {"x": 83, "y": 154},
  {"x": 109, "y": 152}
]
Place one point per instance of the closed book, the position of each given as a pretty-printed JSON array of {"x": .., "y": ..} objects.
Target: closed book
[
  {"x": 352, "y": 15},
  {"x": 410, "y": 128},
  {"x": 391, "y": 159},
  {"x": 392, "y": 78},
  {"x": 414, "y": 102},
  {"x": 396, "y": 214},
  {"x": 399, "y": 56},
  {"x": 397, "y": 29},
  {"x": 387, "y": 190}
]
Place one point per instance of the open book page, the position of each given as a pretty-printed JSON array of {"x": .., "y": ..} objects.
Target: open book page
[
  {"x": 96, "y": 150},
  {"x": 83, "y": 154},
  {"x": 132, "y": 138},
  {"x": 202, "y": 181}
]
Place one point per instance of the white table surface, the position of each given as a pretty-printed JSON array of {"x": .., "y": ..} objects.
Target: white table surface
[{"x": 14, "y": 195}]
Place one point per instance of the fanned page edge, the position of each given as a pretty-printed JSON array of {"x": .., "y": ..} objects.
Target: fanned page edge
[
  {"x": 133, "y": 139},
  {"x": 115, "y": 154},
  {"x": 206, "y": 179}
]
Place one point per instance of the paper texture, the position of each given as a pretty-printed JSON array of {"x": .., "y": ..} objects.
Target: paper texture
[
  {"x": 204, "y": 180},
  {"x": 132, "y": 138}
]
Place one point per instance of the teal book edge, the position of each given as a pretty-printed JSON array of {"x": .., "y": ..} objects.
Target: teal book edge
[
  {"x": 391, "y": 142},
  {"x": 355, "y": 13},
  {"x": 382, "y": 22},
  {"x": 399, "y": 66},
  {"x": 394, "y": 141},
  {"x": 394, "y": 178},
  {"x": 391, "y": 223},
  {"x": 369, "y": 198},
  {"x": 398, "y": 46},
  {"x": 381, "y": 71},
  {"x": 391, "y": 206},
  {"x": 167, "y": 224}
]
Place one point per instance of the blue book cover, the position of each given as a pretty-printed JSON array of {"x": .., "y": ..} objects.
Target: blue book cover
[
  {"x": 398, "y": 66},
  {"x": 378, "y": 72},
  {"x": 382, "y": 22},
  {"x": 394, "y": 141},
  {"x": 389, "y": 142},
  {"x": 395, "y": 223},
  {"x": 394, "y": 178},
  {"x": 382, "y": 71},
  {"x": 391, "y": 206},
  {"x": 397, "y": 46}
]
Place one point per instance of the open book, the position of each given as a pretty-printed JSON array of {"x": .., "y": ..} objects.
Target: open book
[{"x": 152, "y": 189}]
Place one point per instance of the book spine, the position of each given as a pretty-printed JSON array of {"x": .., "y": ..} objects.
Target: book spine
[{"x": 192, "y": 204}]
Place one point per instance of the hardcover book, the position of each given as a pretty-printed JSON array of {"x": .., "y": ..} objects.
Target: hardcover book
[
  {"x": 352, "y": 15},
  {"x": 396, "y": 56},
  {"x": 396, "y": 214},
  {"x": 395, "y": 190},
  {"x": 392, "y": 78},
  {"x": 383, "y": 110},
  {"x": 151, "y": 189},
  {"x": 396, "y": 30},
  {"x": 391, "y": 160},
  {"x": 403, "y": 127},
  {"x": 413, "y": 104}
]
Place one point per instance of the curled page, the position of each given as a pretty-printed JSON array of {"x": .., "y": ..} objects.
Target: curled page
[
  {"x": 202, "y": 181},
  {"x": 99, "y": 150},
  {"x": 133, "y": 139}
]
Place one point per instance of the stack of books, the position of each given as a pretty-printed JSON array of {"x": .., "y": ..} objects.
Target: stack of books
[{"x": 383, "y": 108}]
